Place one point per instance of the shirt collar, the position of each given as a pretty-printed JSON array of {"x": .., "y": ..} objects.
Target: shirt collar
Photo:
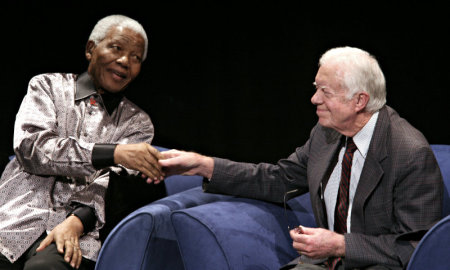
[
  {"x": 363, "y": 137},
  {"x": 85, "y": 86}
]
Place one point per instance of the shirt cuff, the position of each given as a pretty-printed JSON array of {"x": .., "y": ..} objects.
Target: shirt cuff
[
  {"x": 103, "y": 155},
  {"x": 87, "y": 216}
]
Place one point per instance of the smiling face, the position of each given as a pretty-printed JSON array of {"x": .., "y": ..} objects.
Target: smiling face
[
  {"x": 333, "y": 108},
  {"x": 116, "y": 60}
]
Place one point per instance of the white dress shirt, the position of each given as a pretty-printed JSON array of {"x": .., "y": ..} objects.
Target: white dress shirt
[{"x": 362, "y": 141}]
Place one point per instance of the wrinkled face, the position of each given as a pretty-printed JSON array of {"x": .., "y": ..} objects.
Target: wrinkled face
[
  {"x": 333, "y": 108},
  {"x": 115, "y": 61}
]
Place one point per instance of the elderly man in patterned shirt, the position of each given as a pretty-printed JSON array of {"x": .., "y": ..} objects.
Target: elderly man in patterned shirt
[{"x": 71, "y": 132}]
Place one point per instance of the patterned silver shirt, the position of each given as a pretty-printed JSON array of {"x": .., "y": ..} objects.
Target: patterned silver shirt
[{"x": 58, "y": 123}]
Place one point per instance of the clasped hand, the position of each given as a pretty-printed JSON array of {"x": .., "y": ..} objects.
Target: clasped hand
[
  {"x": 186, "y": 163},
  {"x": 141, "y": 157},
  {"x": 318, "y": 243}
]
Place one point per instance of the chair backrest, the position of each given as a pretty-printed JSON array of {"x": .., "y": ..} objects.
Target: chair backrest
[
  {"x": 442, "y": 153},
  {"x": 434, "y": 248}
]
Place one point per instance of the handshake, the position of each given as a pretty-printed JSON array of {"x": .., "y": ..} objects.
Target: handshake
[{"x": 155, "y": 165}]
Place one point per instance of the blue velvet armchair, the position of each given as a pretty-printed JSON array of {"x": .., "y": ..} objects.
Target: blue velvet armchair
[
  {"x": 194, "y": 230},
  {"x": 249, "y": 234}
]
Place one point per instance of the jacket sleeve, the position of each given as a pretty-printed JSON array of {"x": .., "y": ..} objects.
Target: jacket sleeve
[{"x": 262, "y": 181}]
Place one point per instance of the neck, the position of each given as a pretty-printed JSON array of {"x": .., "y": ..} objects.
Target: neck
[{"x": 359, "y": 122}]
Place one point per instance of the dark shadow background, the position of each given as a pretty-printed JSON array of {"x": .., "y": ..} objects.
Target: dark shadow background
[{"x": 233, "y": 79}]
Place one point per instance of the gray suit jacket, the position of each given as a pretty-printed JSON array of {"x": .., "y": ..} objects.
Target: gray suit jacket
[{"x": 398, "y": 198}]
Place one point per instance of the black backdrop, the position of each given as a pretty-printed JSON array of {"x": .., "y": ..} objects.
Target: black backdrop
[{"x": 233, "y": 79}]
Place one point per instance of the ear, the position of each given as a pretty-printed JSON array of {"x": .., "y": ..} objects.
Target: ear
[
  {"x": 89, "y": 48},
  {"x": 362, "y": 98}
]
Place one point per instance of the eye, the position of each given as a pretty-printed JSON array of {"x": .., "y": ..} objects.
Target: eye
[
  {"x": 137, "y": 58},
  {"x": 116, "y": 47},
  {"x": 327, "y": 92}
]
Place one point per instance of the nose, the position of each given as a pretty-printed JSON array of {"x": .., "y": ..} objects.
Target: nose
[
  {"x": 123, "y": 60},
  {"x": 316, "y": 98}
]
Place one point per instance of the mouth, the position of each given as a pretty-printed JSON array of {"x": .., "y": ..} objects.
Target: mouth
[{"x": 118, "y": 75}]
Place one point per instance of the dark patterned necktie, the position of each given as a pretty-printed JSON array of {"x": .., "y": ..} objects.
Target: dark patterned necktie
[{"x": 341, "y": 210}]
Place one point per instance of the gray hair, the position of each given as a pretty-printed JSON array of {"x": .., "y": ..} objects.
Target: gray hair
[
  {"x": 103, "y": 26},
  {"x": 359, "y": 71}
]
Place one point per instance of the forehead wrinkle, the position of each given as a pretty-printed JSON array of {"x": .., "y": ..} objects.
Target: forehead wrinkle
[{"x": 122, "y": 37}]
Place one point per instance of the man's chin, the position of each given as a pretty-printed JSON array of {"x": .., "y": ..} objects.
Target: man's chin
[
  {"x": 324, "y": 122},
  {"x": 114, "y": 90}
]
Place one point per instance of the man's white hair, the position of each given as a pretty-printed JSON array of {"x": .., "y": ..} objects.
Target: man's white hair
[
  {"x": 103, "y": 26},
  {"x": 358, "y": 71}
]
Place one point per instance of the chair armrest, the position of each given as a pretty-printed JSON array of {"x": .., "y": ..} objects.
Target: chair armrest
[
  {"x": 145, "y": 239},
  {"x": 302, "y": 210},
  {"x": 178, "y": 183},
  {"x": 434, "y": 248},
  {"x": 236, "y": 234}
]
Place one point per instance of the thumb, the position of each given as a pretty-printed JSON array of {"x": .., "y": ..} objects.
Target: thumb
[
  {"x": 45, "y": 243},
  {"x": 169, "y": 154},
  {"x": 306, "y": 230},
  {"x": 165, "y": 162},
  {"x": 154, "y": 152}
]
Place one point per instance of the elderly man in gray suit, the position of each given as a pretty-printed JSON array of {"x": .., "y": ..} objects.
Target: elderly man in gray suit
[{"x": 374, "y": 182}]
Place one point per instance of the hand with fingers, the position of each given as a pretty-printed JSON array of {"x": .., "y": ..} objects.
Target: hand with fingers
[
  {"x": 66, "y": 236},
  {"x": 186, "y": 163},
  {"x": 141, "y": 157},
  {"x": 318, "y": 243}
]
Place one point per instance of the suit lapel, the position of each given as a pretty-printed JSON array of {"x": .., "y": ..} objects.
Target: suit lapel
[
  {"x": 320, "y": 165},
  {"x": 372, "y": 171}
]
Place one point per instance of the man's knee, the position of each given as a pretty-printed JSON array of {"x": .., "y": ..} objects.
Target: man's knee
[
  {"x": 49, "y": 258},
  {"x": 44, "y": 262}
]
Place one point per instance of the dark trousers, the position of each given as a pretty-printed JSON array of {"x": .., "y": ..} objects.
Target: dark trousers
[
  {"x": 297, "y": 264},
  {"x": 48, "y": 259},
  {"x": 339, "y": 267}
]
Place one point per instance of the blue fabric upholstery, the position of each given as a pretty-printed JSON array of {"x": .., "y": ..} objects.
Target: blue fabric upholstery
[
  {"x": 434, "y": 248},
  {"x": 145, "y": 239},
  {"x": 442, "y": 153},
  {"x": 239, "y": 233},
  {"x": 250, "y": 234}
]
